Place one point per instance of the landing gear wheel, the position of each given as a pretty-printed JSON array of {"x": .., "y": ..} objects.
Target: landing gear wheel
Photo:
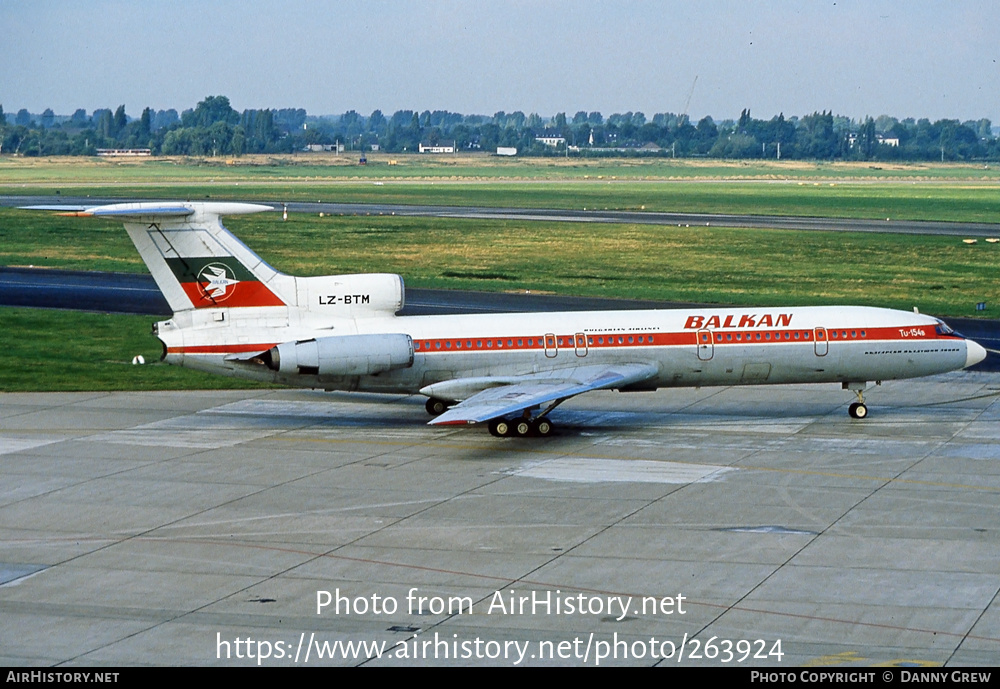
[
  {"x": 857, "y": 410},
  {"x": 501, "y": 428},
  {"x": 542, "y": 427},
  {"x": 522, "y": 428},
  {"x": 436, "y": 407}
]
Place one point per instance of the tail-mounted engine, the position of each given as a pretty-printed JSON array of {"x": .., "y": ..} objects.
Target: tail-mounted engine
[
  {"x": 352, "y": 296},
  {"x": 344, "y": 355}
]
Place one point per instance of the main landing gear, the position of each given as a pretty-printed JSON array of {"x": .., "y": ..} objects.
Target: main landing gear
[
  {"x": 436, "y": 407},
  {"x": 525, "y": 426},
  {"x": 521, "y": 427}
]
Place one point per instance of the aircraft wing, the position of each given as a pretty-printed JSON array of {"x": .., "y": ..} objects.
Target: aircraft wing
[{"x": 522, "y": 392}]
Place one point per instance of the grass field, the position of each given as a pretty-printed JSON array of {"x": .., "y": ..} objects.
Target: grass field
[
  {"x": 912, "y": 192},
  {"x": 76, "y": 171},
  {"x": 48, "y": 350},
  {"x": 939, "y": 275}
]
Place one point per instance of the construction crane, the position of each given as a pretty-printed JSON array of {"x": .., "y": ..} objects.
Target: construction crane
[{"x": 687, "y": 103}]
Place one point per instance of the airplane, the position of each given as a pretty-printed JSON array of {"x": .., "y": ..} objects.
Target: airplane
[{"x": 233, "y": 314}]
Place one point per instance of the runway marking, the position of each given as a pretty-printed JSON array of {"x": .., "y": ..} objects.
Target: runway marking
[
  {"x": 9, "y": 445},
  {"x": 298, "y": 409},
  {"x": 157, "y": 434},
  {"x": 197, "y": 431},
  {"x": 490, "y": 444},
  {"x": 595, "y": 470}
]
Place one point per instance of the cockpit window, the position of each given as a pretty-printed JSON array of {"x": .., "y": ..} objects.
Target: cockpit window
[{"x": 942, "y": 328}]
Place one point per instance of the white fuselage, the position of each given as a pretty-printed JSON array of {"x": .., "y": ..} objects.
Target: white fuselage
[{"x": 702, "y": 347}]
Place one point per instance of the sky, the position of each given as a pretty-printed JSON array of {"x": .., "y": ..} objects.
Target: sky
[{"x": 912, "y": 58}]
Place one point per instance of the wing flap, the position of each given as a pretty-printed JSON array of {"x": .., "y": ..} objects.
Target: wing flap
[{"x": 536, "y": 389}]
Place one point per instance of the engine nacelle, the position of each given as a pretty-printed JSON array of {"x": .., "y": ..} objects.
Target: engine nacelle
[
  {"x": 351, "y": 296},
  {"x": 343, "y": 355}
]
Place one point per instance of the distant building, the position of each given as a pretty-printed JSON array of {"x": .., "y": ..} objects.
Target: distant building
[
  {"x": 550, "y": 139},
  {"x": 853, "y": 137},
  {"x": 124, "y": 152},
  {"x": 506, "y": 150},
  {"x": 439, "y": 147},
  {"x": 320, "y": 148}
]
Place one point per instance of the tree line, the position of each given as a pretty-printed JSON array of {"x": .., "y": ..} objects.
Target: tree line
[{"x": 213, "y": 127}]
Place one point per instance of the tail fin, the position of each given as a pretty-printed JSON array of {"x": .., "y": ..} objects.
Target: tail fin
[{"x": 196, "y": 262}]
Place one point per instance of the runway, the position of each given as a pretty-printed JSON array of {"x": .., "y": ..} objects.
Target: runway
[
  {"x": 889, "y": 225},
  {"x": 177, "y": 528}
]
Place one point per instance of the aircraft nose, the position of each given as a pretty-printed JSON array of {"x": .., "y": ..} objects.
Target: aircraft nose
[{"x": 974, "y": 353}]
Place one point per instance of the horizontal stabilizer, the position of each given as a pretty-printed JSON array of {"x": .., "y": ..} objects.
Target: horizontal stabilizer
[{"x": 155, "y": 210}]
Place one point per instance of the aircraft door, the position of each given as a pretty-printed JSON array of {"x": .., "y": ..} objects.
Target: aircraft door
[
  {"x": 581, "y": 344},
  {"x": 551, "y": 348},
  {"x": 706, "y": 347},
  {"x": 821, "y": 343}
]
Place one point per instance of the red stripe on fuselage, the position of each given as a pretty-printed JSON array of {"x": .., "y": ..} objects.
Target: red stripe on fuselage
[
  {"x": 634, "y": 339},
  {"x": 220, "y": 349}
]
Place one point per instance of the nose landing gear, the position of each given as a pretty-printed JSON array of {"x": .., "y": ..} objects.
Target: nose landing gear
[{"x": 858, "y": 410}]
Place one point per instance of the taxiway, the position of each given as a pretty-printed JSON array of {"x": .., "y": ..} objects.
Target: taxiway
[{"x": 163, "y": 528}]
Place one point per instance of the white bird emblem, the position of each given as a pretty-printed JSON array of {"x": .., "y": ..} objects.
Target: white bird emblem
[{"x": 215, "y": 281}]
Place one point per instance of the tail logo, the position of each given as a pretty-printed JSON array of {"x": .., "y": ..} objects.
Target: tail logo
[{"x": 217, "y": 281}]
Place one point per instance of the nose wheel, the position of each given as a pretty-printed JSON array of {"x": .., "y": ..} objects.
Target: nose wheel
[{"x": 858, "y": 410}]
